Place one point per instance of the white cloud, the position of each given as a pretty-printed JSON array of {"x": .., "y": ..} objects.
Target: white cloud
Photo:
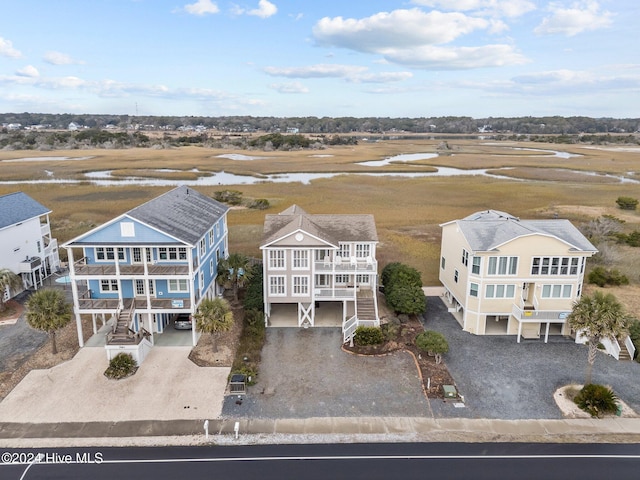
[
  {"x": 580, "y": 17},
  {"x": 494, "y": 8},
  {"x": 456, "y": 58},
  {"x": 291, "y": 87},
  {"x": 7, "y": 50},
  {"x": 397, "y": 29},
  {"x": 57, "y": 58},
  {"x": 265, "y": 9},
  {"x": 28, "y": 71},
  {"x": 315, "y": 71},
  {"x": 202, "y": 7},
  {"x": 383, "y": 77}
]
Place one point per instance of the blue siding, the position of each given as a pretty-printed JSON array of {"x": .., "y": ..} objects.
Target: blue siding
[{"x": 112, "y": 234}]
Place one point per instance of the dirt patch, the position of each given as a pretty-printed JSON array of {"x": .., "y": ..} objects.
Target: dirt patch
[
  {"x": 433, "y": 375},
  {"x": 203, "y": 354},
  {"x": 564, "y": 399},
  {"x": 11, "y": 312},
  {"x": 67, "y": 343}
]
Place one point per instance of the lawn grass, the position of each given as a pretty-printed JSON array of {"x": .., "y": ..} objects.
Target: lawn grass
[{"x": 407, "y": 210}]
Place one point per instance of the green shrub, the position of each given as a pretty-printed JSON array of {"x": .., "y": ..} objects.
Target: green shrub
[
  {"x": 603, "y": 276},
  {"x": 597, "y": 400},
  {"x": 368, "y": 336},
  {"x": 121, "y": 366},
  {"x": 260, "y": 204},
  {"x": 433, "y": 343},
  {"x": 405, "y": 298},
  {"x": 390, "y": 331},
  {"x": 399, "y": 273},
  {"x": 627, "y": 203},
  {"x": 253, "y": 296}
]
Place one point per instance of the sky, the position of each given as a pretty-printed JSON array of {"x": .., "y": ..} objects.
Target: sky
[{"x": 357, "y": 58}]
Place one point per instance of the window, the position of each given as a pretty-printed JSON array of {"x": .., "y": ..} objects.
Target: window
[
  {"x": 465, "y": 258},
  {"x": 108, "y": 285},
  {"x": 362, "y": 279},
  {"x": 212, "y": 270},
  {"x": 276, "y": 285},
  {"x": 39, "y": 246},
  {"x": 300, "y": 259},
  {"x": 203, "y": 247},
  {"x": 178, "y": 285},
  {"x": 322, "y": 280},
  {"x": 172, "y": 253},
  {"x": 201, "y": 280},
  {"x": 473, "y": 289},
  {"x": 344, "y": 251},
  {"x": 211, "y": 237},
  {"x": 363, "y": 250},
  {"x": 556, "y": 291},
  {"x": 500, "y": 291},
  {"x": 342, "y": 279},
  {"x": 108, "y": 253},
  {"x": 442, "y": 262},
  {"x": 300, "y": 285},
  {"x": 475, "y": 267},
  {"x": 276, "y": 258},
  {"x": 455, "y": 276},
  {"x": 140, "y": 288},
  {"x": 127, "y": 229},
  {"x": 503, "y": 265},
  {"x": 555, "y": 265}
]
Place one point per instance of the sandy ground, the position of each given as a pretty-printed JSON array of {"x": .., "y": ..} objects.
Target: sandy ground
[
  {"x": 571, "y": 410},
  {"x": 167, "y": 386}
]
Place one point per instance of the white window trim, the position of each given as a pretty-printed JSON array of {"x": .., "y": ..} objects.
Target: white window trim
[
  {"x": 272, "y": 263},
  {"x": 304, "y": 258},
  {"x": 284, "y": 286},
  {"x": 112, "y": 284},
  {"x": 293, "y": 286},
  {"x": 178, "y": 285}
]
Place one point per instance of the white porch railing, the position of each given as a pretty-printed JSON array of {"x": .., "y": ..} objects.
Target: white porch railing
[
  {"x": 630, "y": 346},
  {"x": 612, "y": 347},
  {"x": 349, "y": 328},
  {"x": 335, "y": 293},
  {"x": 555, "y": 316},
  {"x": 346, "y": 265}
]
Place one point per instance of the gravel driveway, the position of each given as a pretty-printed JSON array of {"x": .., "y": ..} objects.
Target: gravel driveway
[
  {"x": 501, "y": 378},
  {"x": 18, "y": 341},
  {"x": 304, "y": 373}
]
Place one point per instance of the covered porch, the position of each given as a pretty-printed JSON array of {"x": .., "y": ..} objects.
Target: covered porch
[{"x": 326, "y": 314}]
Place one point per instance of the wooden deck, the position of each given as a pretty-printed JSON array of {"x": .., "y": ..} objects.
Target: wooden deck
[
  {"x": 130, "y": 270},
  {"x": 140, "y": 304}
]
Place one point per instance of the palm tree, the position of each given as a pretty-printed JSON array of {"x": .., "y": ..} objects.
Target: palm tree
[
  {"x": 598, "y": 316},
  {"x": 10, "y": 280},
  {"x": 48, "y": 311},
  {"x": 214, "y": 316},
  {"x": 234, "y": 272}
]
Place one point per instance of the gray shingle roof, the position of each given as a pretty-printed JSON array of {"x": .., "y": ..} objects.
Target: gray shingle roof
[
  {"x": 18, "y": 207},
  {"x": 330, "y": 228},
  {"x": 182, "y": 212},
  {"x": 488, "y": 230}
]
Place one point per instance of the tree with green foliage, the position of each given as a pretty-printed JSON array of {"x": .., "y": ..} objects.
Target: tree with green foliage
[
  {"x": 48, "y": 311},
  {"x": 598, "y": 316},
  {"x": 8, "y": 281},
  {"x": 254, "y": 293},
  {"x": 405, "y": 298},
  {"x": 603, "y": 276},
  {"x": 234, "y": 272},
  {"x": 627, "y": 203},
  {"x": 213, "y": 317},
  {"x": 433, "y": 343}
]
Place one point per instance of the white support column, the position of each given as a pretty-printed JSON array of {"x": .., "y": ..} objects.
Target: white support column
[
  {"x": 76, "y": 300},
  {"x": 546, "y": 335},
  {"x": 519, "y": 330},
  {"x": 93, "y": 321}
]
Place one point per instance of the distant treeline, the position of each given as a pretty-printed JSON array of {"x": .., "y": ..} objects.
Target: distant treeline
[{"x": 553, "y": 125}]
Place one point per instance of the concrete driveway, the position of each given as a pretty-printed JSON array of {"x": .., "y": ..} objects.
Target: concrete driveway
[
  {"x": 501, "y": 378},
  {"x": 166, "y": 386},
  {"x": 304, "y": 374}
]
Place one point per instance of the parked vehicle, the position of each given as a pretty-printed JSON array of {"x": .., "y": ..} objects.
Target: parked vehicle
[{"x": 182, "y": 321}]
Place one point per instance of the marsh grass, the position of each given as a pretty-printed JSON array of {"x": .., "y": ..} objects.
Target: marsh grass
[{"x": 407, "y": 210}]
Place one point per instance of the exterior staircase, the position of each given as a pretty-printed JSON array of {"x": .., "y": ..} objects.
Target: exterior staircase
[
  {"x": 122, "y": 334},
  {"x": 624, "y": 354},
  {"x": 366, "y": 309}
]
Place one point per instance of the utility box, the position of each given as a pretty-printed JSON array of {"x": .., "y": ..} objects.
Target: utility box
[
  {"x": 450, "y": 391},
  {"x": 238, "y": 384}
]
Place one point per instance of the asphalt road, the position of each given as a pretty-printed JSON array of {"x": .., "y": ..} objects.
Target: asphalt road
[{"x": 335, "y": 461}]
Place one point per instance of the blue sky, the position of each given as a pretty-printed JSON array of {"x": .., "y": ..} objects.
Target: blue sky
[{"x": 413, "y": 58}]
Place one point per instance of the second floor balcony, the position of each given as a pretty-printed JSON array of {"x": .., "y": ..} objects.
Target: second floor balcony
[
  {"x": 82, "y": 268},
  {"x": 347, "y": 265},
  {"x": 535, "y": 315}
]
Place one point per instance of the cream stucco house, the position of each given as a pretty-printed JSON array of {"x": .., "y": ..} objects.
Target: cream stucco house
[{"x": 503, "y": 275}]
